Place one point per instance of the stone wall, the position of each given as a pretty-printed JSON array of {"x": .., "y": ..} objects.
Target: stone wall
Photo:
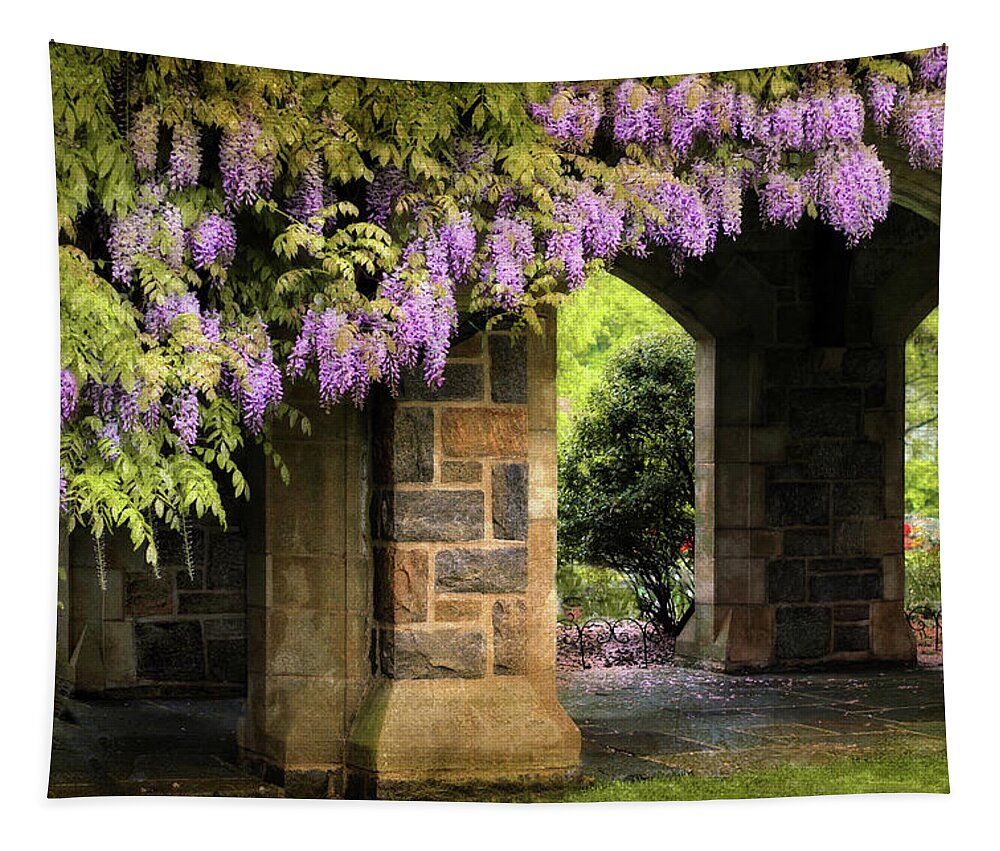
[
  {"x": 171, "y": 633},
  {"x": 464, "y": 511},
  {"x": 451, "y": 518}
]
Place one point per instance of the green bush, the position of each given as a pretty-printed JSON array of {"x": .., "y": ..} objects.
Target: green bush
[
  {"x": 923, "y": 578},
  {"x": 626, "y": 476}
]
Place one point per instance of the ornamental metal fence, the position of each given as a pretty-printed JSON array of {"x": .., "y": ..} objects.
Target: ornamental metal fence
[
  {"x": 925, "y": 621},
  {"x": 602, "y": 631}
]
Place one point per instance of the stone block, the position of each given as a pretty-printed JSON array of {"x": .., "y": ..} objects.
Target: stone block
[
  {"x": 470, "y": 347},
  {"x": 851, "y": 638},
  {"x": 825, "y": 588},
  {"x": 786, "y": 581},
  {"x": 215, "y": 628},
  {"x": 804, "y": 504},
  {"x": 850, "y": 613},
  {"x": 857, "y": 499},
  {"x": 305, "y": 643},
  {"x": 463, "y": 382},
  {"x": 767, "y": 444},
  {"x": 865, "y": 366},
  {"x": 824, "y": 412},
  {"x": 169, "y": 651},
  {"x": 508, "y": 369},
  {"x": 432, "y": 515},
  {"x": 765, "y": 542},
  {"x": 227, "y": 561},
  {"x": 403, "y": 449},
  {"x": 170, "y": 546},
  {"x": 227, "y": 660},
  {"x": 461, "y": 471},
  {"x": 510, "y": 637},
  {"x": 802, "y": 632},
  {"x": 470, "y": 432},
  {"x": 450, "y": 610},
  {"x": 400, "y": 585},
  {"x": 444, "y": 653},
  {"x": 848, "y": 537},
  {"x": 306, "y": 582},
  {"x": 807, "y": 542},
  {"x": 510, "y": 502},
  {"x": 211, "y": 602},
  {"x": 485, "y": 571},
  {"x": 146, "y": 595},
  {"x": 844, "y": 564},
  {"x": 838, "y": 460}
]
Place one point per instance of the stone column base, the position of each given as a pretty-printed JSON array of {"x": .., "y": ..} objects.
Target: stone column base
[{"x": 414, "y": 736}]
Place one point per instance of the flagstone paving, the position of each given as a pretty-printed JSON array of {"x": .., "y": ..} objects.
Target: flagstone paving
[{"x": 636, "y": 723}]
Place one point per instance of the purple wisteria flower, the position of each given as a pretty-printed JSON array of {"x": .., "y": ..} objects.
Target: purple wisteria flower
[
  {"x": 67, "y": 395},
  {"x": 510, "y": 248},
  {"x": 389, "y": 185},
  {"x": 111, "y": 450},
  {"x": 143, "y": 137},
  {"x": 259, "y": 391},
  {"x": 213, "y": 241},
  {"x": 247, "y": 165},
  {"x": 781, "y": 199},
  {"x": 308, "y": 198},
  {"x": 185, "y": 156},
  {"x": 564, "y": 244},
  {"x": 881, "y": 94},
  {"x": 160, "y": 316},
  {"x": 184, "y": 418},
  {"x": 851, "y": 189},
  {"x": 932, "y": 67},
  {"x": 834, "y": 118},
  {"x": 721, "y": 188},
  {"x": 570, "y": 116},
  {"x": 637, "y": 115},
  {"x": 919, "y": 126},
  {"x": 155, "y": 229}
]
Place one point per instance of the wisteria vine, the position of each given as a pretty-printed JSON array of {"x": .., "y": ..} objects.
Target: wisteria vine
[{"x": 223, "y": 218}]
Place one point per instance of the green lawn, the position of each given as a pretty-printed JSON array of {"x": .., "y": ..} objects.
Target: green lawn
[{"x": 891, "y": 770}]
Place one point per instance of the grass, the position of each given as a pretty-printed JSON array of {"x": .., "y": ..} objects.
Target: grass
[{"x": 913, "y": 766}]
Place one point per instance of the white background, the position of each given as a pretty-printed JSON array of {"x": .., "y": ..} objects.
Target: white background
[{"x": 496, "y": 41}]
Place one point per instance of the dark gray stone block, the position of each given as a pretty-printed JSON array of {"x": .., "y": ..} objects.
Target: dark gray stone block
[
  {"x": 510, "y": 502},
  {"x": 463, "y": 382},
  {"x": 803, "y": 504},
  {"x": 824, "y": 412},
  {"x": 850, "y": 586},
  {"x": 499, "y": 571},
  {"x": 803, "y": 633},
  {"x": 786, "y": 581},
  {"x": 169, "y": 651},
  {"x": 227, "y": 561},
  {"x": 857, "y": 499},
  {"x": 850, "y": 638},
  {"x": 404, "y": 444},
  {"x": 508, "y": 369},
  {"x": 432, "y": 515},
  {"x": 436, "y": 654},
  {"x": 840, "y": 460},
  {"x": 227, "y": 660},
  {"x": 864, "y": 366},
  {"x": 807, "y": 542},
  {"x": 845, "y": 565}
]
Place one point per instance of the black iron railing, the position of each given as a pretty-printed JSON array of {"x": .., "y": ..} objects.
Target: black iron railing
[
  {"x": 601, "y": 631},
  {"x": 925, "y": 621}
]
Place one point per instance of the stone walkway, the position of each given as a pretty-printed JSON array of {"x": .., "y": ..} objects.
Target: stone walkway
[
  {"x": 640, "y": 722},
  {"x": 636, "y": 722}
]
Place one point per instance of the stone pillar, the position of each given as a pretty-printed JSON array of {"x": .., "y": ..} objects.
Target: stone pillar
[
  {"x": 465, "y": 509},
  {"x": 308, "y": 603},
  {"x": 732, "y": 624}
]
